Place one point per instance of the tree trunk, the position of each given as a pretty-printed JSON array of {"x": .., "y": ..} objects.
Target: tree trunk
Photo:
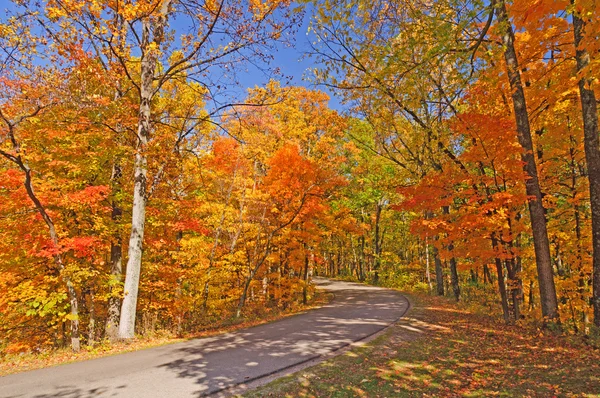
[
  {"x": 453, "y": 269},
  {"x": 536, "y": 210},
  {"x": 254, "y": 270},
  {"x": 454, "y": 274},
  {"x": 514, "y": 269},
  {"x": 581, "y": 276},
  {"x": 138, "y": 217},
  {"x": 501, "y": 282},
  {"x": 138, "y": 221},
  {"x": 531, "y": 296},
  {"x": 502, "y": 289},
  {"x": 361, "y": 263},
  {"x": 92, "y": 323},
  {"x": 427, "y": 273},
  {"x": 244, "y": 294},
  {"x": 487, "y": 277},
  {"x": 355, "y": 265},
  {"x": 376, "y": 242},
  {"x": 75, "y": 340},
  {"x": 339, "y": 259},
  {"x": 592, "y": 155},
  {"x": 305, "y": 277},
  {"x": 116, "y": 265},
  {"x": 331, "y": 265},
  {"x": 439, "y": 272},
  {"x": 474, "y": 276}
]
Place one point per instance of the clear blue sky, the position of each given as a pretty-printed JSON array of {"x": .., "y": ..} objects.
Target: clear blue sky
[{"x": 294, "y": 63}]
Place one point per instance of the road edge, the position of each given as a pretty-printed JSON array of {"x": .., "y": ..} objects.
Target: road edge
[{"x": 259, "y": 381}]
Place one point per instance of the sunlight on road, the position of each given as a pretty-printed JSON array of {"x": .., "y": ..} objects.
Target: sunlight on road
[{"x": 209, "y": 365}]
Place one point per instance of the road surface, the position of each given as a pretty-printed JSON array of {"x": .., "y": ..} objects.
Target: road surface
[{"x": 214, "y": 365}]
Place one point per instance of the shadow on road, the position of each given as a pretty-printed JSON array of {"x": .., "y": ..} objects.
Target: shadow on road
[
  {"x": 222, "y": 362},
  {"x": 74, "y": 392},
  {"x": 213, "y": 365}
]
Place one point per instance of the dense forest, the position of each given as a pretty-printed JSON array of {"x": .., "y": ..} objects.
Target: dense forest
[{"x": 141, "y": 191}]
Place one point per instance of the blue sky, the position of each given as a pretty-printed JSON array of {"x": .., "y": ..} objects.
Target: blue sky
[
  {"x": 294, "y": 62},
  {"x": 291, "y": 60}
]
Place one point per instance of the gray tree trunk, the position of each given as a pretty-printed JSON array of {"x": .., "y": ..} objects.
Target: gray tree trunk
[
  {"x": 592, "y": 156},
  {"x": 454, "y": 282},
  {"x": 536, "y": 210},
  {"x": 92, "y": 323},
  {"x": 377, "y": 241},
  {"x": 138, "y": 216},
  {"x": 427, "y": 273},
  {"x": 439, "y": 272},
  {"x": 116, "y": 266},
  {"x": 501, "y": 284},
  {"x": 454, "y": 274},
  {"x": 305, "y": 276}
]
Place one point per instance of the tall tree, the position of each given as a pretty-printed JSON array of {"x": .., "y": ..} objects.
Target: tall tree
[
  {"x": 12, "y": 117},
  {"x": 218, "y": 35},
  {"x": 591, "y": 142},
  {"x": 536, "y": 208}
]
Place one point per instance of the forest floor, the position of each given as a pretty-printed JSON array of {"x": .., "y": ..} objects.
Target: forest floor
[
  {"x": 440, "y": 350},
  {"x": 21, "y": 362}
]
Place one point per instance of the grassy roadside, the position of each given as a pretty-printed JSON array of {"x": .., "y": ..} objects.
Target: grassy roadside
[
  {"x": 439, "y": 350},
  {"x": 15, "y": 363}
]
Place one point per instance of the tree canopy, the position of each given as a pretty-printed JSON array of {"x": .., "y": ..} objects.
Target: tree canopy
[{"x": 135, "y": 195}]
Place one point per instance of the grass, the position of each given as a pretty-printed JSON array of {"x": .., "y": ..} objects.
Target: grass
[
  {"x": 21, "y": 362},
  {"x": 438, "y": 350}
]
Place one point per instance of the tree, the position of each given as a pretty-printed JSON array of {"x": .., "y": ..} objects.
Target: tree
[
  {"x": 591, "y": 142},
  {"x": 221, "y": 33},
  {"x": 536, "y": 208},
  {"x": 13, "y": 116}
]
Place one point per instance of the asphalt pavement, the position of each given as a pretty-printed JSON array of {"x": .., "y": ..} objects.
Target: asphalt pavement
[{"x": 217, "y": 365}]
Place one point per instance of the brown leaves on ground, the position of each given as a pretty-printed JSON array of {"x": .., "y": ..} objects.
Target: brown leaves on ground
[{"x": 439, "y": 350}]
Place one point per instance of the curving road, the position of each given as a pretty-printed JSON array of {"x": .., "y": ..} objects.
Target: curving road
[{"x": 214, "y": 365}]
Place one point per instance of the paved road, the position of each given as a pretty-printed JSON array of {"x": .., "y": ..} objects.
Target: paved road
[{"x": 212, "y": 365}]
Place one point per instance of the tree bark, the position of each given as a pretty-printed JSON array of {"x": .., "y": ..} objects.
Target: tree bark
[
  {"x": 454, "y": 274},
  {"x": 502, "y": 289},
  {"x": 427, "y": 273},
  {"x": 439, "y": 272},
  {"x": 361, "y": 261},
  {"x": 582, "y": 278},
  {"x": 453, "y": 268},
  {"x": 138, "y": 217},
  {"x": 501, "y": 282},
  {"x": 305, "y": 276},
  {"x": 377, "y": 242},
  {"x": 487, "y": 277},
  {"x": 92, "y": 323},
  {"x": 116, "y": 264},
  {"x": 592, "y": 155},
  {"x": 536, "y": 210},
  {"x": 514, "y": 269}
]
